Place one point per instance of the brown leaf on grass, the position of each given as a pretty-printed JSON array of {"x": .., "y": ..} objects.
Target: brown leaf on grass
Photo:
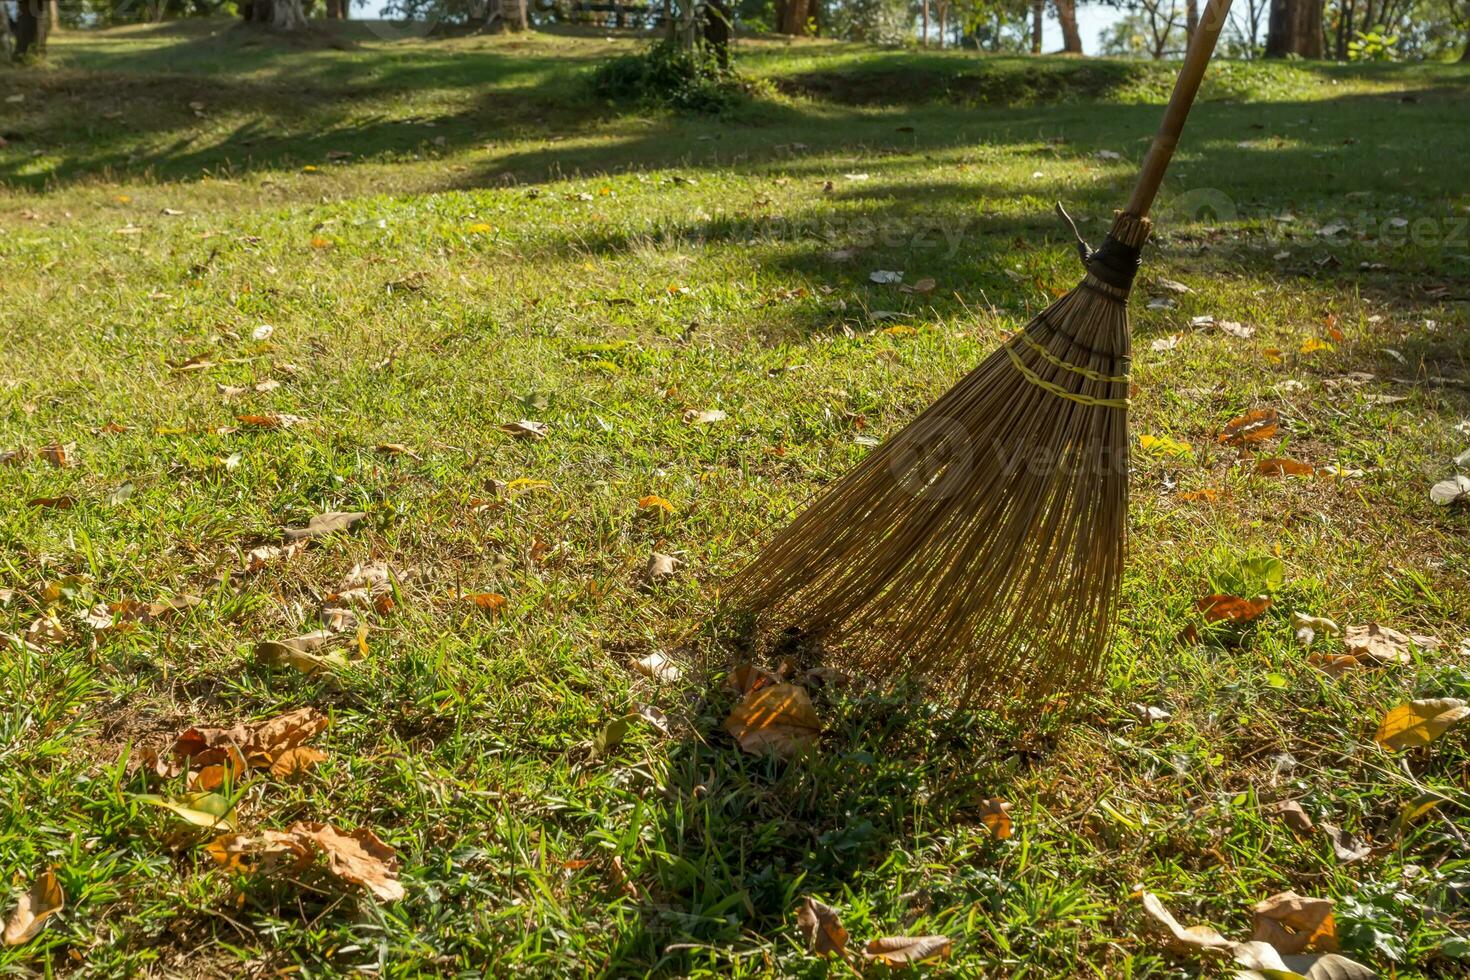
[
  {"x": 1382, "y": 645},
  {"x": 491, "y": 602},
  {"x": 1281, "y": 466},
  {"x": 995, "y": 815},
  {"x": 1232, "y": 609},
  {"x": 253, "y": 745},
  {"x": 1292, "y": 814},
  {"x": 1179, "y": 939},
  {"x": 659, "y": 667},
  {"x": 778, "y": 720},
  {"x": 14, "y": 457},
  {"x": 707, "y": 417},
  {"x": 660, "y": 567},
  {"x": 1333, "y": 664},
  {"x": 822, "y": 927},
  {"x": 58, "y": 455},
  {"x": 270, "y": 420},
  {"x": 358, "y": 857},
  {"x": 525, "y": 429},
  {"x": 258, "y": 558},
  {"x": 41, "y": 901},
  {"x": 1295, "y": 923},
  {"x": 64, "y": 502},
  {"x": 396, "y": 449},
  {"x": 623, "y": 880},
  {"x": 1346, "y": 847},
  {"x": 907, "y": 950},
  {"x": 295, "y": 761},
  {"x": 1208, "y": 495},
  {"x": 306, "y": 653},
  {"x": 1256, "y": 426},
  {"x": 1328, "y": 966},
  {"x": 323, "y": 524},
  {"x": 1418, "y": 723},
  {"x": 745, "y": 678},
  {"x": 260, "y": 853}
]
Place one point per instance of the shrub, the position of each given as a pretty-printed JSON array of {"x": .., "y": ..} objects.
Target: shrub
[{"x": 669, "y": 75}]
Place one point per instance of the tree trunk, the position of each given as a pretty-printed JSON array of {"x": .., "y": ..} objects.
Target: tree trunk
[
  {"x": 1465, "y": 55},
  {"x": 53, "y": 16},
  {"x": 924, "y": 37},
  {"x": 279, "y": 15},
  {"x": 1295, "y": 29},
  {"x": 6, "y": 42},
  {"x": 1038, "y": 8},
  {"x": 1191, "y": 18},
  {"x": 717, "y": 30},
  {"x": 944, "y": 24},
  {"x": 1067, "y": 17},
  {"x": 30, "y": 29},
  {"x": 512, "y": 15},
  {"x": 792, "y": 16}
]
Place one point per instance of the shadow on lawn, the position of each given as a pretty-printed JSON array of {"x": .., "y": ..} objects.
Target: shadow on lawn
[{"x": 737, "y": 840}]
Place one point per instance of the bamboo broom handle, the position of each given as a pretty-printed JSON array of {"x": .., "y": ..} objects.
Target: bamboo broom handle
[{"x": 1201, "y": 47}]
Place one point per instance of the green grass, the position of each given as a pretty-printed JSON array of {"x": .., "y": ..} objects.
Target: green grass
[{"x": 636, "y": 266}]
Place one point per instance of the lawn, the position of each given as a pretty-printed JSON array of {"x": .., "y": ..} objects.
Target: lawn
[{"x": 246, "y": 284}]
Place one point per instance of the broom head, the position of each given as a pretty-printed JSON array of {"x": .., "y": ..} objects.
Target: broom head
[{"x": 982, "y": 545}]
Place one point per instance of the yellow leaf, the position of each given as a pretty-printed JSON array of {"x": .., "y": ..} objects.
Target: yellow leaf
[
  {"x": 778, "y": 720},
  {"x": 1313, "y": 344},
  {"x": 490, "y": 602},
  {"x": 1165, "y": 446},
  {"x": 899, "y": 330},
  {"x": 1272, "y": 354},
  {"x": 317, "y": 241},
  {"x": 524, "y": 483},
  {"x": 201, "y": 809},
  {"x": 1418, "y": 723},
  {"x": 656, "y": 504},
  {"x": 479, "y": 228}
]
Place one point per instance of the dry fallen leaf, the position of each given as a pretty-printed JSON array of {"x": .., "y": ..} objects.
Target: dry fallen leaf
[
  {"x": 1295, "y": 923},
  {"x": 822, "y": 928},
  {"x": 778, "y": 720},
  {"x": 306, "y": 653},
  {"x": 905, "y": 950},
  {"x": 659, "y": 667},
  {"x": 323, "y": 524},
  {"x": 655, "y": 505},
  {"x": 1194, "y": 939},
  {"x": 1281, "y": 466},
  {"x": 1382, "y": 645},
  {"x": 1232, "y": 609},
  {"x": 1256, "y": 426},
  {"x": 660, "y": 566},
  {"x": 270, "y": 420},
  {"x": 707, "y": 417},
  {"x": 995, "y": 815},
  {"x": 41, "y": 901},
  {"x": 357, "y": 857},
  {"x": 1418, "y": 723},
  {"x": 1346, "y": 847},
  {"x": 745, "y": 678},
  {"x": 491, "y": 602},
  {"x": 525, "y": 429},
  {"x": 253, "y": 745},
  {"x": 58, "y": 455},
  {"x": 1292, "y": 814},
  {"x": 258, "y": 558}
]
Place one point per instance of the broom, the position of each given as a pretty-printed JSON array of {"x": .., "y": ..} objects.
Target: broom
[{"x": 983, "y": 544}]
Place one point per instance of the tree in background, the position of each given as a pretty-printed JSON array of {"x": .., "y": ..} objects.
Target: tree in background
[
  {"x": 31, "y": 23},
  {"x": 1245, "y": 26},
  {"x": 1294, "y": 27},
  {"x": 1151, "y": 29},
  {"x": 1066, "y": 11}
]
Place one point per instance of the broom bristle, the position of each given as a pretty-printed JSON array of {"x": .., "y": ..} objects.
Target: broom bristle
[{"x": 983, "y": 544}]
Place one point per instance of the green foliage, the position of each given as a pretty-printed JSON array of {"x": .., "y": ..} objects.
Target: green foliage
[
  {"x": 669, "y": 75},
  {"x": 1373, "y": 46}
]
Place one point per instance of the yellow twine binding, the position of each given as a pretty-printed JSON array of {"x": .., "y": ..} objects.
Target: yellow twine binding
[
  {"x": 1051, "y": 358},
  {"x": 1061, "y": 392}
]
